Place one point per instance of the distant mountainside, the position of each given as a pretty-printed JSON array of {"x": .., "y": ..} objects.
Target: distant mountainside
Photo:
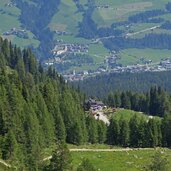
[
  {"x": 84, "y": 35},
  {"x": 102, "y": 85}
]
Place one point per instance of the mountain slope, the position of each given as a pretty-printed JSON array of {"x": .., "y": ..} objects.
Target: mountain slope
[
  {"x": 37, "y": 109},
  {"x": 88, "y": 35}
]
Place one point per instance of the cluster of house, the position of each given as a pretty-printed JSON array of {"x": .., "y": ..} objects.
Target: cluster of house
[
  {"x": 17, "y": 32},
  {"x": 94, "y": 105},
  {"x": 166, "y": 63},
  {"x": 102, "y": 6},
  {"x": 10, "y": 4},
  {"x": 62, "y": 33},
  {"x": 59, "y": 50},
  {"x": 70, "y": 48}
]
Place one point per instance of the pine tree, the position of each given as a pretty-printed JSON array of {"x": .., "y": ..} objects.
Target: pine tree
[
  {"x": 61, "y": 158},
  {"x": 113, "y": 132},
  {"x": 102, "y": 131},
  {"x": 159, "y": 163},
  {"x": 92, "y": 130},
  {"x": 124, "y": 133},
  {"x": 86, "y": 165},
  {"x": 152, "y": 133},
  {"x": 166, "y": 130},
  {"x": 134, "y": 131},
  {"x": 125, "y": 101}
]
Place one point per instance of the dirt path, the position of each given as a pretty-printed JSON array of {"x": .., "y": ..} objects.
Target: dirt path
[
  {"x": 101, "y": 150},
  {"x": 142, "y": 31},
  {"x": 108, "y": 150},
  {"x": 5, "y": 164}
]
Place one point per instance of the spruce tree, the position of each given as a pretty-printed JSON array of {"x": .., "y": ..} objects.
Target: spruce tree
[
  {"x": 86, "y": 165},
  {"x": 61, "y": 159}
]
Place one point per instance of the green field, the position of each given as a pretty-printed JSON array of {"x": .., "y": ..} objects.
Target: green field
[
  {"x": 67, "y": 18},
  {"x": 121, "y": 10},
  {"x": 133, "y": 56},
  {"x": 9, "y": 16},
  {"x": 98, "y": 52},
  {"x": 127, "y": 114},
  {"x": 134, "y": 160},
  {"x": 107, "y": 16}
]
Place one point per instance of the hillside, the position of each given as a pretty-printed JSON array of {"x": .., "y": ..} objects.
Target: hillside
[
  {"x": 40, "y": 113},
  {"x": 37, "y": 109},
  {"x": 91, "y": 36},
  {"x": 102, "y": 85}
]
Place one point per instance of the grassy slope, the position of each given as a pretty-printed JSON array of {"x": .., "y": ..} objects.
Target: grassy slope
[
  {"x": 120, "y": 10},
  {"x": 133, "y": 160},
  {"x": 67, "y": 18},
  {"x": 132, "y": 56},
  {"x": 119, "y": 161},
  {"x": 10, "y": 18}
]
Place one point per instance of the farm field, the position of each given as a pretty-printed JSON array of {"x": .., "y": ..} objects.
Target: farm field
[
  {"x": 133, "y": 56},
  {"x": 121, "y": 10}
]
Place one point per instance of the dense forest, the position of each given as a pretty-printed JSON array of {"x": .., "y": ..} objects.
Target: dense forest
[
  {"x": 139, "y": 132},
  {"x": 35, "y": 18},
  {"x": 156, "y": 102},
  {"x": 101, "y": 85},
  {"x": 37, "y": 109}
]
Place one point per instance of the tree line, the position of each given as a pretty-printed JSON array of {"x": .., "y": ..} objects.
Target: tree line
[
  {"x": 156, "y": 102},
  {"x": 102, "y": 85}
]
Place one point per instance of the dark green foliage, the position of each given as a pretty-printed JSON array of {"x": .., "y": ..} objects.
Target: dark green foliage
[
  {"x": 102, "y": 130},
  {"x": 124, "y": 136},
  {"x": 166, "y": 130},
  {"x": 36, "y": 18},
  {"x": 158, "y": 163},
  {"x": 168, "y": 7},
  {"x": 61, "y": 159},
  {"x": 113, "y": 132},
  {"x": 37, "y": 109},
  {"x": 92, "y": 129},
  {"x": 86, "y": 166},
  {"x": 155, "y": 102},
  {"x": 136, "y": 132},
  {"x": 101, "y": 85},
  {"x": 145, "y": 16}
]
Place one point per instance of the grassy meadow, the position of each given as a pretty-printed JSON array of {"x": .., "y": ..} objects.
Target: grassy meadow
[
  {"x": 132, "y": 56},
  {"x": 134, "y": 160}
]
